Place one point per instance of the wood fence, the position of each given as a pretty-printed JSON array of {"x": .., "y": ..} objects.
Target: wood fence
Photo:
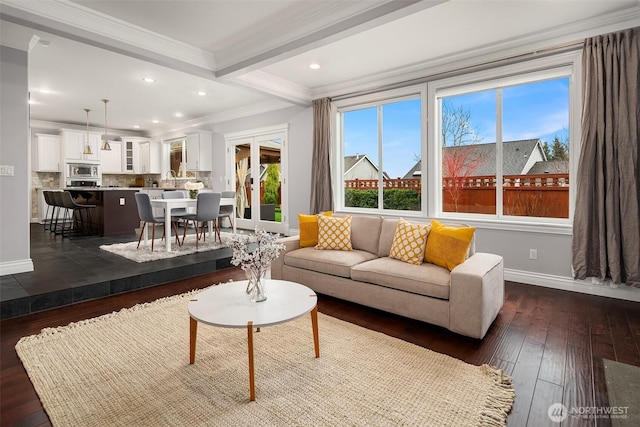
[{"x": 544, "y": 195}]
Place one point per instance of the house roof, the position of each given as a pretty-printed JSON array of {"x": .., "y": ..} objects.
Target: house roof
[
  {"x": 515, "y": 154},
  {"x": 550, "y": 166},
  {"x": 351, "y": 161}
]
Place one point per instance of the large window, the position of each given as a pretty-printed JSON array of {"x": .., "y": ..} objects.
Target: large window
[
  {"x": 381, "y": 150},
  {"x": 497, "y": 144},
  {"x": 504, "y": 146}
]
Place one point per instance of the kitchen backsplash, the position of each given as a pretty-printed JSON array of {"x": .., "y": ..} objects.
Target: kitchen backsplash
[
  {"x": 45, "y": 179},
  {"x": 134, "y": 180}
]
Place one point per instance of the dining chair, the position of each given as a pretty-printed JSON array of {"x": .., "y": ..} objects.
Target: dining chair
[
  {"x": 176, "y": 213},
  {"x": 226, "y": 211},
  {"x": 207, "y": 209},
  {"x": 145, "y": 212}
]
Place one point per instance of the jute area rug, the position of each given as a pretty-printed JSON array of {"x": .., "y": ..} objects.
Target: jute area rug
[
  {"x": 131, "y": 251},
  {"x": 131, "y": 368}
]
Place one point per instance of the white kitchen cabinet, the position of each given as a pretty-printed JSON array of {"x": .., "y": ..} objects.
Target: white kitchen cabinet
[
  {"x": 149, "y": 156},
  {"x": 73, "y": 144},
  {"x": 131, "y": 162},
  {"x": 199, "y": 151},
  {"x": 111, "y": 160},
  {"x": 47, "y": 153}
]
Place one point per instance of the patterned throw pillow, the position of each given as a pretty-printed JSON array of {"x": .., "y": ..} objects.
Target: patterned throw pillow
[
  {"x": 409, "y": 242},
  {"x": 448, "y": 246},
  {"x": 309, "y": 229},
  {"x": 334, "y": 233}
]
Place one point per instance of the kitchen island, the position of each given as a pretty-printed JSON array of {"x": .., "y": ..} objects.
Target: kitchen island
[{"x": 116, "y": 212}]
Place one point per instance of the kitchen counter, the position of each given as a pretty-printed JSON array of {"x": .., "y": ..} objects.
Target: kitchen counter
[{"x": 116, "y": 210}]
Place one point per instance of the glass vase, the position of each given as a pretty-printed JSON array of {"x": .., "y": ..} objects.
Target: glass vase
[
  {"x": 256, "y": 285},
  {"x": 193, "y": 194}
]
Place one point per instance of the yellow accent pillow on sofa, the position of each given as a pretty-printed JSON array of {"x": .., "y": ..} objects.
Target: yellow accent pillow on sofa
[
  {"x": 309, "y": 228},
  {"x": 334, "y": 233},
  {"x": 448, "y": 246},
  {"x": 409, "y": 242}
]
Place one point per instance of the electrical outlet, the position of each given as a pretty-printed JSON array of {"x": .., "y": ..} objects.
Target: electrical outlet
[
  {"x": 533, "y": 254},
  {"x": 121, "y": 201}
]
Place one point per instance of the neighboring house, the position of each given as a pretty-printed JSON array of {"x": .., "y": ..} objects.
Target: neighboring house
[
  {"x": 518, "y": 158},
  {"x": 360, "y": 166},
  {"x": 550, "y": 167}
]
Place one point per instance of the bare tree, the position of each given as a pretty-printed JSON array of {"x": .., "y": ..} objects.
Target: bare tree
[{"x": 459, "y": 162}]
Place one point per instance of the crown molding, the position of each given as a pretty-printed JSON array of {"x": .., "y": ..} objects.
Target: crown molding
[
  {"x": 273, "y": 85},
  {"x": 531, "y": 44},
  {"x": 71, "y": 20},
  {"x": 224, "y": 116}
]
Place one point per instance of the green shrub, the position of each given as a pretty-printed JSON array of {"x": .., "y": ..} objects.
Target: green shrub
[{"x": 395, "y": 199}]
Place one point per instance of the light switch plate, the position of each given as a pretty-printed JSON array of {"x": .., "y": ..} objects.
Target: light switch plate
[{"x": 6, "y": 170}]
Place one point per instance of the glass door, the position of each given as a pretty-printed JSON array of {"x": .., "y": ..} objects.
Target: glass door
[{"x": 259, "y": 180}]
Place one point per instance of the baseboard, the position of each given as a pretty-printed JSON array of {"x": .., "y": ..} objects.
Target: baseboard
[
  {"x": 15, "y": 267},
  {"x": 569, "y": 284}
]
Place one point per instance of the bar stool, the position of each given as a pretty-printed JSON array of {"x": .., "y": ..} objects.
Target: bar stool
[
  {"x": 76, "y": 210},
  {"x": 48, "y": 198}
]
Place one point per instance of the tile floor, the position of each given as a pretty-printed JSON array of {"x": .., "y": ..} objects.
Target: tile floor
[{"x": 71, "y": 270}]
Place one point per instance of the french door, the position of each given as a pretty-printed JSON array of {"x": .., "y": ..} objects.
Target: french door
[{"x": 256, "y": 164}]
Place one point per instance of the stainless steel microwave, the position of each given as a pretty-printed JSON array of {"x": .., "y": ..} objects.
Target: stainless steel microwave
[{"x": 82, "y": 171}]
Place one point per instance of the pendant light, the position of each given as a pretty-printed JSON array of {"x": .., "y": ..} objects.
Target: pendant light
[
  {"x": 105, "y": 142},
  {"x": 87, "y": 144}
]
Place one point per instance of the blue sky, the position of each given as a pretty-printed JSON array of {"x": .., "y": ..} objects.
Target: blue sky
[{"x": 535, "y": 110}]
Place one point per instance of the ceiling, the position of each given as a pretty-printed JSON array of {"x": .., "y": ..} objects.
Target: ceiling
[{"x": 252, "y": 56}]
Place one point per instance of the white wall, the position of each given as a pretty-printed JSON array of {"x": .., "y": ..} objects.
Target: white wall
[
  {"x": 299, "y": 150},
  {"x": 15, "y": 200}
]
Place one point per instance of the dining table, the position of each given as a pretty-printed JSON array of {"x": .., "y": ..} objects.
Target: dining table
[{"x": 190, "y": 204}]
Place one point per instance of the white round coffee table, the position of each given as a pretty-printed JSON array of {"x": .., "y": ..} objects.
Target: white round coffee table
[{"x": 228, "y": 305}]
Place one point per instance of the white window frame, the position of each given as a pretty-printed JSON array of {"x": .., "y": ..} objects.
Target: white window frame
[
  {"x": 556, "y": 66},
  {"x": 337, "y": 166}
]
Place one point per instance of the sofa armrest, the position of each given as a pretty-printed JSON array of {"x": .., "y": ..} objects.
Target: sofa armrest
[
  {"x": 476, "y": 295},
  {"x": 290, "y": 243}
]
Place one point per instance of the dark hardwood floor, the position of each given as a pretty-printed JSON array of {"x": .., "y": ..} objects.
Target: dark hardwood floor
[{"x": 551, "y": 342}]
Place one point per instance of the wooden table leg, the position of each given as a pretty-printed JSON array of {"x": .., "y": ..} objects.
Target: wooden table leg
[
  {"x": 193, "y": 331},
  {"x": 252, "y": 385},
  {"x": 314, "y": 324}
]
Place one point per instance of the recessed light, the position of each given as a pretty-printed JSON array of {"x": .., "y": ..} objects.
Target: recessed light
[
  {"x": 136, "y": 126},
  {"x": 178, "y": 114},
  {"x": 315, "y": 66},
  {"x": 45, "y": 43},
  {"x": 45, "y": 90},
  {"x": 155, "y": 121},
  {"x": 148, "y": 80},
  {"x": 201, "y": 93}
]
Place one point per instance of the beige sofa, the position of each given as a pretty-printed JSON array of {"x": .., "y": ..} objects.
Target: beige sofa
[{"x": 465, "y": 300}]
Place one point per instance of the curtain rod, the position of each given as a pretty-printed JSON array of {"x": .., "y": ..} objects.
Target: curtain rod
[{"x": 540, "y": 53}]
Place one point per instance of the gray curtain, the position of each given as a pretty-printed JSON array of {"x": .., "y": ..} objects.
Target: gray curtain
[
  {"x": 606, "y": 227},
  {"x": 321, "y": 194}
]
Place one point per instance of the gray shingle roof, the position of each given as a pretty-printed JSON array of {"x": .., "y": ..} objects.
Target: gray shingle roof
[
  {"x": 516, "y": 155},
  {"x": 551, "y": 166}
]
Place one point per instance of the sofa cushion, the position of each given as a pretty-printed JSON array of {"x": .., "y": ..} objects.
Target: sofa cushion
[
  {"x": 365, "y": 232},
  {"x": 424, "y": 279},
  {"x": 309, "y": 229},
  {"x": 387, "y": 231},
  {"x": 336, "y": 263},
  {"x": 409, "y": 242},
  {"x": 448, "y": 246},
  {"x": 334, "y": 233}
]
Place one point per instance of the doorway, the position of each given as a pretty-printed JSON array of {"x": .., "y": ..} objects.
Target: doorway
[{"x": 257, "y": 160}]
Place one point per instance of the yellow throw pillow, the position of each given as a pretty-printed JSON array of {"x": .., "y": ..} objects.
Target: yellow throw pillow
[
  {"x": 448, "y": 246},
  {"x": 309, "y": 228},
  {"x": 409, "y": 242},
  {"x": 334, "y": 233}
]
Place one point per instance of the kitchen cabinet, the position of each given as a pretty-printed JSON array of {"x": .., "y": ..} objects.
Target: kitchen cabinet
[
  {"x": 74, "y": 141},
  {"x": 199, "y": 151},
  {"x": 149, "y": 155},
  {"x": 47, "y": 153},
  {"x": 131, "y": 154},
  {"x": 111, "y": 160}
]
